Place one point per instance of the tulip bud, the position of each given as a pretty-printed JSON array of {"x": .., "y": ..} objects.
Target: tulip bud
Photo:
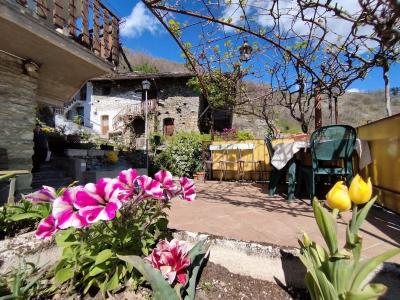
[
  {"x": 306, "y": 240},
  {"x": 360, "y": 191},
  {"x": 338, "y": 197}
]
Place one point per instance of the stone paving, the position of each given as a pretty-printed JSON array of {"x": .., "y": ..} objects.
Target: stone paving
[{"x": 244, "y": 211}]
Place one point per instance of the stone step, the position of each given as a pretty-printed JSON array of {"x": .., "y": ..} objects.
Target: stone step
[
  {"x": 56, "y": 182},
  {"x": 48, "y": 174}
]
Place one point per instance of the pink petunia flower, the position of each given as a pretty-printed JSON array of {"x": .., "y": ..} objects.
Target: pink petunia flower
[
  {"x": 188, "y": 191},
  {"x": 149, "y": 188},
  {"x": 165, "y": 178},
  {"x": 171, "y": 258},
  {"x": 44, "y": 195},
  {"x": 46, "y": 228},
  {"x": 64, "y": 211},
  {"x": 99, "y": 201},
  {"x": 128, "y": 177}
]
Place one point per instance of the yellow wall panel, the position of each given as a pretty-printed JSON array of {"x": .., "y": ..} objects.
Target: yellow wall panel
[{"x": 383, "y": 137}]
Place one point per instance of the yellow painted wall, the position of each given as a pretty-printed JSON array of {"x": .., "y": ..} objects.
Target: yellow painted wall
[
  {"x": 383, "y": 137},
  {"x": 259, "y": 171}
]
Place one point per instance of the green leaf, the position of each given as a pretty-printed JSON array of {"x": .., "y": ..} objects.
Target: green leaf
[
  {"x": 24, "y": 216},
  {"x": 113, "y": 283},
  {"x": 65, "y": 238},
  {"x": 89, "y": 284},
  {"x": 197, "y": 255},
  {"x": 64, "y": 275},
  {"x": 103, "y": 256},
  {"x": 370, "y": 292},
  {"x": 96, "y": 270},
  {"x": 161, "y": 289},
  {"x": 368, "y": 266},
  {"x": 327, "y": 226},
  {"x": 361, "y": 215}
]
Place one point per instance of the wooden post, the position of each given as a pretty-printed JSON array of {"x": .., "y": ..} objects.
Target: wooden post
[
  {"x": 105, "y": 45},
  {"x": 96, "y": 28},
  {"x": 115, "y": 41},
  {"x": 58, "y": 13},
  {"x": 41, "y": 8},
  {"x": 72, "y": 18},
  {"x": 336, "y": 110},
  {"x": 318, "y": 111},
  {"x": 85, "y": 23}
]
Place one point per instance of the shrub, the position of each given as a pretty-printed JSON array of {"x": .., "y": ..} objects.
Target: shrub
[{"x": 183, "y": 155}]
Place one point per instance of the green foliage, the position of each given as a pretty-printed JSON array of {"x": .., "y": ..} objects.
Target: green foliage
[
  {"x": 183, "y": 154},
  {"x": 145, "y": 68},
  {"x": 24, "y": 282},
  {"x": 335, "y": 273},
  {"x": 160, "y": 287},
  {"x": 89, "y": 257},
  {"x": 23, "y": 215},
  {"x": 221, "y": 88}
]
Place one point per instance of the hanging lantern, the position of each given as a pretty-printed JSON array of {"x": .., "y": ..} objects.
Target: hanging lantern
[{"x": 245, "y": 51}]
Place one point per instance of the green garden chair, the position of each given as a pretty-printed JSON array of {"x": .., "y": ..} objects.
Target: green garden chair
[
  {"x": 331, "y": 153},
  {"x": 276, "y": 174}
]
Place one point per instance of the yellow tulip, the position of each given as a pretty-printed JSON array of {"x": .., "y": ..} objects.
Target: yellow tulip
[
  {"x": 360, "y": 191},
  {"x": 338, "y": 197}
]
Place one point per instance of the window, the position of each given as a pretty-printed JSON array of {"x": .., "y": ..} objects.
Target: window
[
  {"x": 106, "y": 90},
  {"x": 169, "y": 127}
]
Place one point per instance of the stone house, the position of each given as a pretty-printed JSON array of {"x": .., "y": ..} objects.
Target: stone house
[
  {"x": 114, "y": 105},
  {"x": 46, "y": 58}
]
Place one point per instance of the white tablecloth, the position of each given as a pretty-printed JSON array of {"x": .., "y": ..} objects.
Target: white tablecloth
[{"x": 286, "y": 151}]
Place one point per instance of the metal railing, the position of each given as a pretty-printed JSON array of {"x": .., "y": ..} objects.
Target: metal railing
[
  {"x": 87, "y": 22},
  {"x": 132, "y": 110}
]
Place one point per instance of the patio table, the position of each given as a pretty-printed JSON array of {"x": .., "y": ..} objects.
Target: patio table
[{"x": 284, "y": 152}]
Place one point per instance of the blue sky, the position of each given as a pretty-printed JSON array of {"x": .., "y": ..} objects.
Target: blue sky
[{"x": 143, "y": 33}]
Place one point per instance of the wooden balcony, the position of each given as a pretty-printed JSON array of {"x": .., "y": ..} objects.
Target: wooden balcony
[
  {"x": 70, "y": 40},
  {"x": 87, "y": 22},
  {"x": 129, "y": 112}
]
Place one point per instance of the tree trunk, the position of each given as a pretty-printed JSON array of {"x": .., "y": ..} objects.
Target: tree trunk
[{"x": 387, "y": 89}]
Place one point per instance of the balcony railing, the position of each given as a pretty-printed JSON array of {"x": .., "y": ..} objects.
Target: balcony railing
[
  {"x": 128, "y": 112},
  {"x": 87, "y": 22}
]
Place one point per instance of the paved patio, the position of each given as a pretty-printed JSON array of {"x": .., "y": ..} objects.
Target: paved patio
[{"x": 244, "y": 211}]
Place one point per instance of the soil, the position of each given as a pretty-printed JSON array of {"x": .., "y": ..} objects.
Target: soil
[{"x": 218, "y": 283}]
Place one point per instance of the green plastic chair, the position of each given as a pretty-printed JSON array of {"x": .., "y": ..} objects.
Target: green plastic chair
[
  {"x": 333, "y": 143},
  {"x": 276, "y": 174}
]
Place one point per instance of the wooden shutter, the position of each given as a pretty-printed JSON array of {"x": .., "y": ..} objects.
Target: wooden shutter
[{"x": 104, "y": 125}]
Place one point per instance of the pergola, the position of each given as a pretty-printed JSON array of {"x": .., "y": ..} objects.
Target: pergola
[{"x": 296, "y": 48}]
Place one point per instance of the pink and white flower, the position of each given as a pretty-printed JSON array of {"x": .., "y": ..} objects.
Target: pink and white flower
[
  {"x": 99, "y": 201},
  {"x": 171, "y": 258},
  {"x": 46, "y": 228},
  {"x": 44, "y": 195},
  {"x": 167, "y": 183},
  {"x": 128, "y": 178},
  {"x": 64, "y": 211},
  {"x": 149, "y": 188},
  {"x": 188, "y": 191}
]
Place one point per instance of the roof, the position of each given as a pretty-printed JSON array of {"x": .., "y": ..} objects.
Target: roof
[{"x": 139, "y": 75}]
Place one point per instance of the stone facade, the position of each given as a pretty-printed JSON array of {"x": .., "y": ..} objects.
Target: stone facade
[
  {"x": 176, "y": 103},
  {"x": 17, "y": 115}
]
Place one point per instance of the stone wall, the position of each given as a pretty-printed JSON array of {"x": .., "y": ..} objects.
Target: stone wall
[
  {"x": 17, "y": 115},
  {"x": 178, "y": 102}
]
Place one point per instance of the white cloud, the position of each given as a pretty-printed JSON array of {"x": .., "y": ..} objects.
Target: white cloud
[
  {"x": 354, "y": 90},
  {"x": 139, "y": 21}
]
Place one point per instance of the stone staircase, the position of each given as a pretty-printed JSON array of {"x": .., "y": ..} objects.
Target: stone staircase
[{"x": 52, "y": 175}]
